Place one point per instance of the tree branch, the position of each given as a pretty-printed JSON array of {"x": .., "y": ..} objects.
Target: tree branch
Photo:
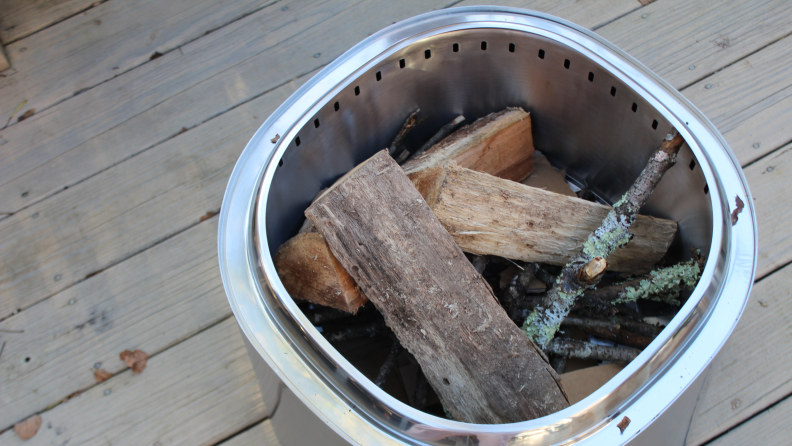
[
  {"x": 408, "y": 125},
  {"x": 542, "y": 324},
  {"x": 569, "y": 348},
  {"x": 436, "y": 138}
]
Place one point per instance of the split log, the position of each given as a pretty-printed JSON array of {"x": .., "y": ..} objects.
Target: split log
[
  {"x": 600, "y": 247},
  {"x": 488, "y": 215},
  {"x": 482, "y": 367},
  {"x": 499, "y": 143}
]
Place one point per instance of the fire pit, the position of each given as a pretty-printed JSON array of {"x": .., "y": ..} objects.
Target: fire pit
[{"x": 596, "y": 112}]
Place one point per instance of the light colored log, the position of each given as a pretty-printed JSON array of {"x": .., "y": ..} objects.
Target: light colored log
[
  {"x": 482, "y": 367},
  {"x": 309, "y": 271},
  {"x": 488, "y": 215},
  {"x": 500, "y": 144}
]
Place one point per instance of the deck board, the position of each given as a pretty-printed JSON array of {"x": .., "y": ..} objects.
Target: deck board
[
  {"x": 21, "y": 18},
  {"x": 104, "y": 42},
  {"x": 138, "y": 187},
  {"x": 196, "y": 393}
]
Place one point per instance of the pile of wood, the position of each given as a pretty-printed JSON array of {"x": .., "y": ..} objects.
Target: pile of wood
[{"x": 474, "y": 253}]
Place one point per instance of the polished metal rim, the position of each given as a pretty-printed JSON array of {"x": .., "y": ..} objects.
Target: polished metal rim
[{"x": 364, "y": 414}]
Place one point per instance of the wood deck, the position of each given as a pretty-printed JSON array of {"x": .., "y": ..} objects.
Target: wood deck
[{"x": 108, "y": 197}]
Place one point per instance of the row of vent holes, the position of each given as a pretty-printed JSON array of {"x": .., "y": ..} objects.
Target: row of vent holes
[{"x": 512, "y": 48}]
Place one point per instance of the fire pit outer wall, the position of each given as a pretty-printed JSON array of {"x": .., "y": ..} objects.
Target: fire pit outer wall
[{"x": 596, "y": 112}]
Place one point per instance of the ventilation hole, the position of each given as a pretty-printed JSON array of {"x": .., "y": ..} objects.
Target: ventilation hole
[
  {"x": 483, "y": 45},
  {"x": 445, "y": 380},
  {"x": 456, "y": 47},
  {"x": 654, "y": 124},
  {"x": 357, "y": 91},
  {"x": 379, "y": 76},
  {"x": 511, "y": 47},
  {"x": 541, "y": 54},
  {"x": 297, "y": 139},
  {"x": 613, "y": 91},
  {"x": 692, "y": 164},
  {"x": 316, "y": 122},
  {"x": 427, "y": 54},
  {"x": 402, "y": 63},
  {"x": 634, "y": 107},
  {"x": 27, "y": 359},
  {"x": 706, "y": 189},
  {"x": 280, "y": 163},
  {"x": 566, "y": 63},
  {"x": 591, "y": 76},
  {"x": 336, "y": 106}
]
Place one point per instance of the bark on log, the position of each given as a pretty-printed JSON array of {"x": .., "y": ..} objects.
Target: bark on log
[
  {"x": 610, "y": 330},
  {"x": 483, "y": 368},
  {"x": 498, "y": 143},
  {"x": 488, "y": 215}
]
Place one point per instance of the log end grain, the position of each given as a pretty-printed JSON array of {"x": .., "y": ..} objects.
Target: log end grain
[{"x": 309, "y": 271}]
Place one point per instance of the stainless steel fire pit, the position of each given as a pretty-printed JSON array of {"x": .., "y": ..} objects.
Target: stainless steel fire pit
[{"x": 596, "y": 112}]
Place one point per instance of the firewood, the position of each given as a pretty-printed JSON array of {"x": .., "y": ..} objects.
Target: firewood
[
  {"x": 309, "y": 271},
  {"x": 480, "y": 364},
  {"x": 499, "y": 142},
  {"x": 408, "y": 125},
  {"x": 610, "y": 330},
  {"x": 601, "y": 245},
  {"x": 488, "y": 215},
  {"x": 569, "y": 348}
]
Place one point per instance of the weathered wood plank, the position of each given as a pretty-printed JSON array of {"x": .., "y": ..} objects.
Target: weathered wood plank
[
  {"x": 150, "y": 302},
  {"x": 292, "y": 424},
  {"x": 671, "y": 36},
  {"x": 126, "y": 208},
  {"x": 112, "y": 38},
  {"x": 104, "y": 125},
  {"x": 197, "y": 392},
  {"x": 591, "y": 14},
  {"x": 750, "y": 372},
  {"x": 20, "y": 18},
  {"x": 773, "y": 426},
  {"x": 750, "y": 101}
]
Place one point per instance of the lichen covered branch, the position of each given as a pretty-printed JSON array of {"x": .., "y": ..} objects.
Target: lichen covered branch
[
  {"x": 577, "y": 276},
  {"x": 569, "y": 348}
]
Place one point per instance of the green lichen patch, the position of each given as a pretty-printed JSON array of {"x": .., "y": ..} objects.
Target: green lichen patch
[{"x": 664, "y": 284}]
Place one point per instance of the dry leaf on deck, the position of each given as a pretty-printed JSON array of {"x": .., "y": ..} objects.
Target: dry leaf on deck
[
  {"x": 27, "y": 114},
  {"x": 136, "y": 359},
  {"x": 102, "y": 375},
  {"x": 28, "y": 428}
]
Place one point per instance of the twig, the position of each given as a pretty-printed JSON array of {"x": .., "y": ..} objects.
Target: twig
[
  {"x": 436, "y": 138},
  {"x": 637, "y": 327},
  {"x": 408, "y": 125},
  {"x": 662, "y": 285},
  {"x": 388, "y": 364},
  {"x": 588, "y": 267},
  {"x": 610, "y": 330},
  {"x": 370, "y": 330},
  {"x": 569, "y": 348},
  {"x": 545, "y": 276}
]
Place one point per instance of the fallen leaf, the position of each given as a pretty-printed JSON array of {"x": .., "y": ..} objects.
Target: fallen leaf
[
  {"x": 623, "y": 424},
  {"x": 136, "y": 359},
  {"x": 28, "y": 428},
  {"x": 27, "y": 114},
  {"x": 102, "y": 375},
  {"x": 739, "y": 207}
]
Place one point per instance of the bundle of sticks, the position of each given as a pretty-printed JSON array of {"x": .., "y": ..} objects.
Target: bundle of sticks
[{"x": 475, "y": 253}]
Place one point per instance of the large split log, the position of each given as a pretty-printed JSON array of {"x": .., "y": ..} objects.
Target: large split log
[
  {"x": 381, "y": 230},
  {"x": 488, "y": 215},
  {"x": 500, "y": 144}
]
